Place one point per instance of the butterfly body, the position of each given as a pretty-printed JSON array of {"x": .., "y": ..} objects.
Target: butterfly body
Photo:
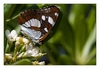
[{"x": 37, "y": 23}]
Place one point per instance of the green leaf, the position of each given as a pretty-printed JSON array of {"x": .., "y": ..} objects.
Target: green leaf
[
  {"x": 8, "y": 9},
  {"x": 23, "y": 62},
  {"x": 65, "y": 60},
  {"x": 92, "y": 62},
  {"x": 91, "y": 19},
  {"x": 88, "y": 45}
]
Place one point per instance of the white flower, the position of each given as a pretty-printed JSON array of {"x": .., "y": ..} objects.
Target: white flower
[
  {"x": 29, "y": 46},
  {"x": 33, "y": 52},
  {"x": 8, "y": 56},
  {"x": 22, "y": 40},
  {"x": 38, "y": 63},
  {"x": 19, "y": 39},
  {"x": 41, "y": 63},
  {"x": 17, "y": 43},
  {"x": 26, "y": 41},
  {"x": 40, "y": 54},
  {"x": 11, "y": 36}
]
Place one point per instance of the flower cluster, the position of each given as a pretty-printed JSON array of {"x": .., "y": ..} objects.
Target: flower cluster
[{"x": 23, "y": 47}]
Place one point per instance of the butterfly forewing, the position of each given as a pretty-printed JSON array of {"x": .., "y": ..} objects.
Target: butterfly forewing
[{"x": 38, "y": 23}]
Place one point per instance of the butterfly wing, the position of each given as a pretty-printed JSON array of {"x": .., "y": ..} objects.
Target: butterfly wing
[{"x": 37, "y": 23}]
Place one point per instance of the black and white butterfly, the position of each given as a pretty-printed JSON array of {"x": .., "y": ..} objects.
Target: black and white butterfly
[{"x": 37, "y": 23}]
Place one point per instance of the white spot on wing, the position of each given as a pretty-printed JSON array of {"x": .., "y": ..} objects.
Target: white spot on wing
[
  {"x": 43, "y": 17},
  {"x": 24, "y": 25},
  {"x": 38, "y": 23},
  {"x": 46, "y": 29},
  {"x": 35, "y": 22},
  {"x": 31, "y": 21},
  {"x": 46, "y": 9},
  {"x": 56, "y": 14},
  {"x": 49, "y": 8},
  {"x": 50, "y": 20},
  {"x": 46, "y": 17},
  {"x": 28, "y": 25}
]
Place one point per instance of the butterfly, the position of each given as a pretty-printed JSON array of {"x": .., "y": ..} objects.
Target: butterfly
[{"x": 37, "y": 23}]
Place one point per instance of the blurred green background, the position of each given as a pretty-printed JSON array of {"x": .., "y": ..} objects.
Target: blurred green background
[{"x": 74, "y": 39}]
